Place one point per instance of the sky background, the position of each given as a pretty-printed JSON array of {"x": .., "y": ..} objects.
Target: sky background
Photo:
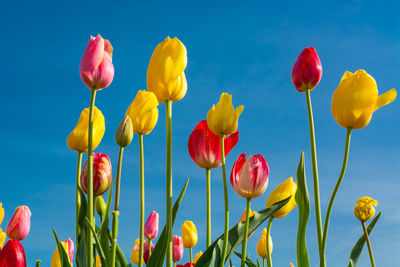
[{"x": 244, "y": 48}]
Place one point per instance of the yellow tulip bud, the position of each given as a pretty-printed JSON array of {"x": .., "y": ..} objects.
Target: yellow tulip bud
[
  {"x": 78, "y": 138},
  {"x": 165, "y": 75},
  {"x": 364, "y": 208},
  {"x": 135, "y": 252},
  {"x": 1, "y": 212},
  {"x": 2, "y": 238},
  {"x": 189, "y": 234},
  {"x": 356, "y": 99},
  {"x": 55, "y": 260},
  {"x": 197, "y": 257},
  {"x": 262, "y": 244},
  {"x": 98, "y": 261},
  {"x": 284, "y": 190},
  {"x": 124, "y": 134},
  {"x": 223, "y": 118},
  {"x": 143, "y": 112}
]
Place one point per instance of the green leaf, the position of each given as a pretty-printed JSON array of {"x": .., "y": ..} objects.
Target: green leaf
[
  {"x": 98, "y": 244},
  {"x": 82, "y": 211},
  {"x": 158, "y": 255},
  {"x": 247, "y": 261},
  {"x": 212, "y": 256},
  {"x": 64, "y": 260},
  {"x": 81, "y": 249},
  {"x": 121, "y": 259},
  {"x": 103, "y": 235},
  {"x": 357, "y": 249},
  {"x": 303, "y": 202}
]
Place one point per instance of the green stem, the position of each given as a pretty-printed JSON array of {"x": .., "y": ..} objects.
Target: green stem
[
  {"x": 168, "y": 111},
  {"x": 208, "y": 238},
  {"x": 149, "y": 248},
  {"x": 263, "y": 262},
  {"x": 315, "y": 177},
  {"x": 226, "y": 234},
  {"x": 191, "y": 254},
  {"x": 90, "y": 215},
  {"x": 115, "y": 213},
  {"x": 38, "y": 261},
  {"x": 335, "y": 190},
  {"x": 141, "y": 200},
  {"x": 269, "y": 259},
  {"x": 371, "y": 256},
  {"x": 246, "y": 233},
  {"x": 78, "y": 200}
]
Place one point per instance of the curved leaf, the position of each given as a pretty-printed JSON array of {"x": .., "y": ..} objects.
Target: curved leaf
[{"x": 64, "y": 260}]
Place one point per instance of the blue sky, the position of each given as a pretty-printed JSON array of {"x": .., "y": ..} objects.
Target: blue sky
[{"x": 245, "y": 49}]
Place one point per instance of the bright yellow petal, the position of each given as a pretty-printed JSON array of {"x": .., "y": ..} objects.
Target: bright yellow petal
[{"x": 386, "y": 98}]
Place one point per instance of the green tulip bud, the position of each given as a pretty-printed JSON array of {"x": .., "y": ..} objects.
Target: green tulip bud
[
  {"x": 100, "y": 206},
  {"x": 124, "y": 134}
]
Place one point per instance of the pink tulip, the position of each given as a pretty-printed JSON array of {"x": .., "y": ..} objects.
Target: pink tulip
[
  {"x": 96, "y": 68},
  {"x": 71, "y": 249},
  {"x": 151, "y": 226},
  {"x": 177, "y": 248},
  {"x": 307, "y": 70},
  {"x": 146, "y": 251},
  {"x": 101, "y": 174},
  {"x": 19, "y": 225},
  {"x": 249, "y": 177},
  {"x": 13, "y": 255}
]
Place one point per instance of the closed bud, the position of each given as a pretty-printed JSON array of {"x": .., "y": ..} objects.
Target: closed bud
[
  {"x": 151, "y": 226},
  {"x": 177, "y": 248},
  {"x": 19, "y": 225},
  {"x": 189, "y": 234},
  {"x": 124, "y": 134},
  {"x": 364, "y": 208},
  {"x": 101, "y": 174},
  {"x": 286, "y": 189},
  {"x": 100, "y": 206},
  {"x": 13, "y": 255}
]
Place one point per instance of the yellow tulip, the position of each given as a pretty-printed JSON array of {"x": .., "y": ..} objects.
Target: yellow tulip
[
  {"x": 165, "y": 75},
  {"x": 78, "y": 139},
  {"x": 223, "y": 118},
  {"x": 135, "y": 252},
  {"x": 284, "y": 190},
  {"x": 2, "y": 238},
  {"x": 262, "y": 244},
  {"x": 55, "y": 260},
  {"x": 1, "y": 212},
  {"x": 189, "y": 234},
  {"x": 143, "y": 112},
  {"x": 197, "y": 257},
  {"x": 356, "y": 99},
  {"x": 98, "y": 261},
  {"x": 364, "y": 208}
]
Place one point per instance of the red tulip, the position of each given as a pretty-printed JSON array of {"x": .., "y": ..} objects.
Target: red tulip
[
  {"x": 19, "y": 225},
  {"x": 96, "y": 68},
  {"x": 307, "y": 70},
  {"x": 101, "y": 174},
  {"x": 177, "y": 248},
  {"x": 249, "y": 177},
  {"x": 12, "y": 255},
  {"x": 186, "y": 265},
  {"x": 205, "y": 146}
]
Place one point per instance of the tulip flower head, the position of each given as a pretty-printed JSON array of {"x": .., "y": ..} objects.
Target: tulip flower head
[
  {"x": 307, "y": 70},
  {"x": 186, "y": 265},
  {"x": 143, "y": 112},
  {"x": 364, "y": 208},
  {"x": 189, "y": 234},
  {"x": 223, "y": 118},
  {"x": 262, "y": 244},
  {"x": 151, "y": 226},
  {"x": 12, "y": 255},
  {"x": 249, "y": 177},
  {"x": 101, "y": 206},
  {"x": 98, "y": 261},
  {"x": 78, "y": 138},
  {"x": 68, "y": 247},
  {"x": 356, "y": 99},
  {"x": 2, "y": 234},
  {"x": 205, "y": 146},
  {"x": 286, "y": 189},
  {"x": 124, "y": 134},
  {"x": 197, "y": 257},
  {"x": 101, "y": 174},
  {"x": 146, "y": 251},
  {"x": 96, "y": 68},
  {"x": 135, "y": 252},
  {"x": 177, "y": 248},
  {"x": 165, "y": 74},
  {"x": 19, "y": 225}
]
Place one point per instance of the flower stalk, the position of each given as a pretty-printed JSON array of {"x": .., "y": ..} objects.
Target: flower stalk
[
  {"x": 371, "y": 255},
  {"x": 141, "y": 248},
  {"x": 269, "y": 259},
  {"x": 168, "y": 108},
  {"x": 226, "y": 232},
  {"x": 246, "y": 232},
  {"x": 208, "y": 195},
  {"x": 78, "y": 198}
]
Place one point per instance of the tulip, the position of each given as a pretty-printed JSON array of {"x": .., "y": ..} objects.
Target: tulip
[
  {"x": 186, "y": 265},
  {"x": 249, "y": 177},
  {"x": 364, "y": 208},
  {"x": 356, "y": 99},
  {"x": 101, "y": 206},
  {"x": 135, "y": 252},
  {"x": 78, "y": 138},
  {"x": 19, "y": 225},
  {"x": 1, "y": 212},
  {"x": 151, "y": 226},
  {"x": 146, "y": 252},
  {"x": 165, "y": 75},
  {"x": 143, "y": 112},
  {"x": 197, "y": 257},
  {"x": 307, "y": 70},
  {"x": 205, "y": 146},
  {"x": 284, "y": 190},
  {"x": 124, "y": 134},
  {"x": 223, "y": 118},
  {"x": 2, "y": 234},
  {"x": 189, "y": 234},
  {"x": 12, "y": 255},
  {"x": 98, "y": 261},
  {"x": 96, "y": 68},
  {"x": 243, "y": 217},
  {"x": 101, "y": 174},
  {"x": 262, "y": 245},
  {"x": 68, "y": 247},
  {"x": 177, "y": 248}
]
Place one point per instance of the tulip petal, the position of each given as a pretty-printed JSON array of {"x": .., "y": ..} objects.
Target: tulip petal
[
  {"x": 386, "y": 98},
  {"x": 231, "y": 141}
]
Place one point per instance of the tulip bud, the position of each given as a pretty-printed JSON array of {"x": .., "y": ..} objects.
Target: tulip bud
[
  {"x": 186, "y": 265},
  {"x": 146, "y": 251},
  {"x": 19, "y": 225},
  {"x": 1, "y": 212},
  {"x": 101, "y": 206},
  {"x": 364, "y": 208},
  {"x": 12, "y": 255},
  {"x": 124, "y": 134},
  {"x": 2, "y": 238},
  {"x": 177, "y": 248},
  {"x": 68, "y": 247},
  {"x": 249, "y": 177},
  {"x": 286, "y": 189},
  {"x": 98, "y": 261},
  {"x": 189, "y": 234},
  {"x": 262, "y": 244},
  {"x": 101, "y": 174},
  {"x": 96, "y": 68},
  {"x": 151, "y": 226},
  {"x": 223, "y": 118},
  {"x": 135, "y": 252},
  {"x": 197, "y": 257},
  {"x": 307, "y": 70}
]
